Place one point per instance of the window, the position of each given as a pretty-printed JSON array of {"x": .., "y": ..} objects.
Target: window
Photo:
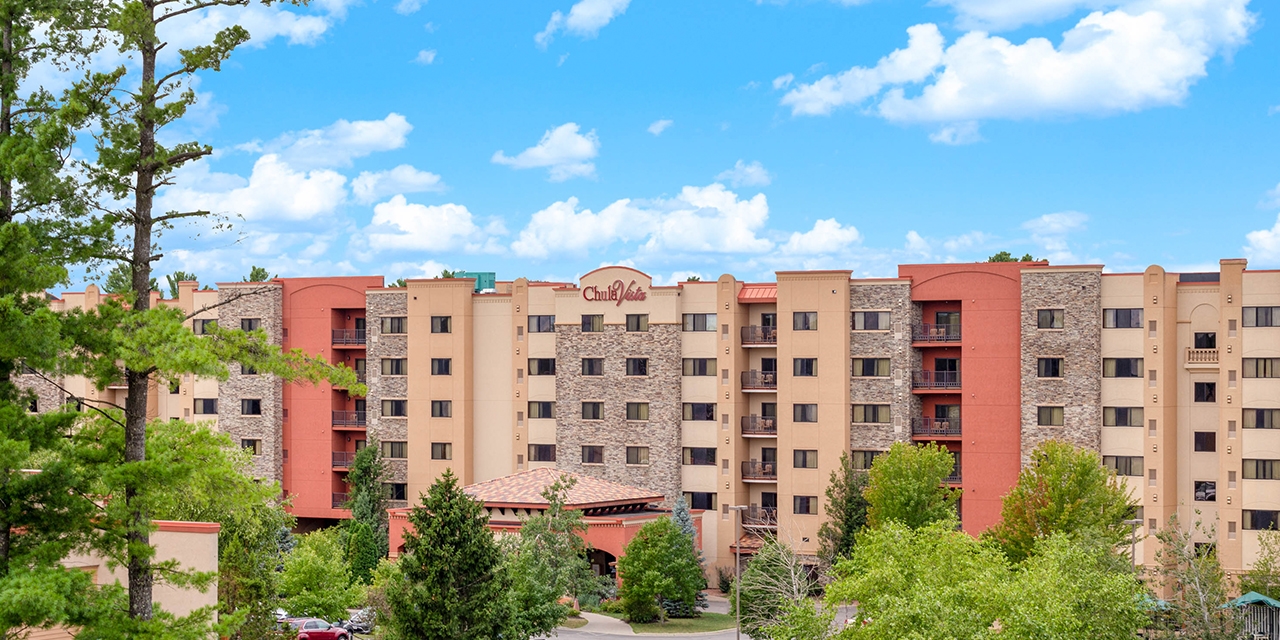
[
  {"x": 593, "y": 366},
  {"x": 769, "y": 320},
  {"x": 700, "y": 411},
  {"x": 1122, "y": 367},
  {"x": 1049, "y": 416},
  {"x": 542, "y": 324},
  {"x": 637, "y": 366},
  {"x": 398, "y": 324},
  {"x": 175, "y": 387},
  {"x": 1206, "y": 340},
  {"x": 1049, "y": 367},
  {"x": 805, "y": 413},
  {"x": 805, "y": 505},
  {"x": 592, "y": 454},
  {"x": 253, "y": 446},
  {"x": 769, "y": 409},
  {"x": 542, "y": 453},
  {"x": 638, "y": 411},
  {"x": 1206, "y": 392},
  {"x": 396, "y": 450},
  {"x": 1122, "y": 318},
  {"x": 1262, "y": 367},
  {"x": 441, "y": 324},
  {"x": 872, "y": 321},
  {"x": 542, "y": 409},
  {"x": 1255, "y": 520},
  {"x": 592, "y": 410},
  {"x": 250, "y": 324},
  {"x": 805, "y": 367},
  {"x": 870, "y": 367},
  {"x": 702, "y": 456},
  {"x": 441, "y": 450},
  {"x": 699, "y": 322},
  {"x": 1260, "y": 469},
  {"x": 542, "y": 366},
  {"x": 202, "y": 327},
  {"x": 804, "y": 321},
  {"x": 637, "y": 455},
  {"x": 704, "y": 500},
  {"x": 396, "y": 408},
  {"x": 395, "y": 491},
  {"x": 1262, "y": 418},
  {"x": 1262, "y": 316},
  {"x": 245, "y": 370},
  {"x": 592, "y": 323},
  {"x": 805, "y": 458},
  {"x": 441, "y": 408},
  {"x": 205, "y": 406},
  {"x": 1124, "y": 465},
  {"x": 699, "y": 366},
  {"x": 862, "y": 459},
  {"x": 34, "y": 406},
  {"x": 871, "y": 413},
  {"x": 1205, "y": 490},
  {"x": 1122, "y": 416},
  {"x": 1206, "y": 440},
  {"x": 250, "y": 407},
  {"x": 637, "y": 322},
  {"x": 1050, "y": 318},
  {"x": 442, "y": 366},
  {"x": 395, "y": 366}
]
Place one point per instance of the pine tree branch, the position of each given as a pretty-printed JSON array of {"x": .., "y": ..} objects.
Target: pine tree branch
[{"x": 82, "y": 401}]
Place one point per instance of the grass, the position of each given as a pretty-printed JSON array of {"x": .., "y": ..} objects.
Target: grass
[
  {"x": 703, "y": 623},
  {"x": 574, "y": 622}
]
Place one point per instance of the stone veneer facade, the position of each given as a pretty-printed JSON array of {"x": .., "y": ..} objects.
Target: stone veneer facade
[
  {"x": 263, "y": 301},
  {"x": 894, "y": 344},
  {"x": 48, "y": 396},
  {"x": 386, "y": 303},
  {"x": 1078, "y": 343}
]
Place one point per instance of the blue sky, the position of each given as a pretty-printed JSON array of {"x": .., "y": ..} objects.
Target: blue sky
[{"x": 546, "y": 138}]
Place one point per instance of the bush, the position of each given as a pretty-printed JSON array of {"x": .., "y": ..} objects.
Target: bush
[
  {"x": 724, "y": 578},
  {"x": 316, "y": 580},
  {"x": 659, "y": 564},
  {"x": 612, "y": 606}
]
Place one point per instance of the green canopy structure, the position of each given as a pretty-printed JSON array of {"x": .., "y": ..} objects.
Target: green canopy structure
[{"x": 1253, "y": 597}]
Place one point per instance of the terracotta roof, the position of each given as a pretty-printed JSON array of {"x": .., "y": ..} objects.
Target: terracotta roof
[
  {"x": 758, "y": 293},
  {"x": 525, "y": 489}
]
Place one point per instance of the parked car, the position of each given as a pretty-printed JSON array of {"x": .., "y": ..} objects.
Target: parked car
[
  {"x": 317, "y": 629},
  {"x": 361, "y": 621}
]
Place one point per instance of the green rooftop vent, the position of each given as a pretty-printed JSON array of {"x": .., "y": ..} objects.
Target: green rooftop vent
[{"x": 485, "y": 280}]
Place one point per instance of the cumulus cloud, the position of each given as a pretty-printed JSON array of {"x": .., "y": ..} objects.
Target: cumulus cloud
[
  {"x": 1050, "y": 232},
  {"x": 374, "y": 185},
  {"x": 585, "y": 19},
  {"x": 402, "y": 225},
  {"x": 659, "y": 126},
  {"x": 827, "y": 236},
  {"x": 273, "y": 191},
  {"x": 425, "y": 57},
  {"x": 1263, "y": 245},
  {"x": 957, "y": 134},
  {"x": 746, "y": 175},
  {"x": 562, "y": 228},
  {"x": 563, "y": 151},
  {"x": 339, "y": 143},
  {"x": 783, "y": 81},
  {"x": 408, "y": 7}
]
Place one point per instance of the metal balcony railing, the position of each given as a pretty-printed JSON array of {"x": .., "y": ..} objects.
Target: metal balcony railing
[
  {"x": 349, "y": 336},
  {"x": 935, "y": 333},
  {"x": 1202, "y": 356},
  {"x": 760, "y": 380},
  {"x": 760, "y": 517},
  {"x": 935, "y": 379},
  {"x": 350, "y": 418},
  {"x": 935, "y": 427},
  {"x": 753, "y": 470},
  {"x": 954, "y": 478},
  {"x": 759, "y": 335},
  {"x": 759, "y": 426},
  {"x": 340, "y": 499},
  {"x": 343, "y": 459}
]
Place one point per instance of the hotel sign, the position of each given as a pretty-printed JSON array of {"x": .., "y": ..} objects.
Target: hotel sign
[{"x": 615, "y": 293}]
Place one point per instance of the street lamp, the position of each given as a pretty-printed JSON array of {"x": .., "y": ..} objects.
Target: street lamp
[
  {"x": 737, "y": 567},
  {"x": 1134, "y": 523}
]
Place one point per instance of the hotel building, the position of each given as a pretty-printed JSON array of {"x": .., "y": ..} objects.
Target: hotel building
[{"x": 742, "y": 393}]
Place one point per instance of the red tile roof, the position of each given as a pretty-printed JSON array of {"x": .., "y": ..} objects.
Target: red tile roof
[
  {"x": 758, "y": 293},
  {"x": 524, "y": 489}
]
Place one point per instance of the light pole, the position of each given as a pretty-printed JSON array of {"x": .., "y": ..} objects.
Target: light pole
[
  {"x": 1133, "y": 539},
  {"x": 737, "y": 567}
]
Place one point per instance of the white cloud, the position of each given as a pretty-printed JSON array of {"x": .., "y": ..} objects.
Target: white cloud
[
  {"x": 783, "y": 81},
  {"x": 341, "y": 142},
  {"x": 827, "y": 236},
  {"x": 1050, "y": 232},
  {"x": 407, "y": 7},
  {"x": 1272, "y": 199},
  {"x": 968, "y": 241},
  {"x": 1264, "y": 245},
  {"x": 425, "y": 57},
  {"x": 957, "y": 134},
  {"x": 659, "y": 126},
  {"x": 428, "y": 269},
  {"x": 561, "y": 228},
  {"x": 917, "y": 245},
  {"x": 585, "y": 19},
  {"x": 370, "y": 186},
  {"x": 402, "y": 225},
  {"x": 1003, "y": 15},
  {"x": 274, "y": 191},
  {"x": 565, "y": 152},
  {"x": 746, "y": 175}
]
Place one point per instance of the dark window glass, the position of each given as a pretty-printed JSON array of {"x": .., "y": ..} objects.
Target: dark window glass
[
  {"x": 441, "y": 451},
  {"x": 395, "y": 366},
  {"x": 441, "y": 408},
  {"x": 699, "y": 366},
  {"x": 1050, "y": 416},
  {"x": 250, "y": 324},
  {"x": 398, "y": 408},
  {"x": 1260, "y": 469},
  {"x": 703, "y": 456},
  {"x": 638, "y": 411},
  {"x": 805, "y": 367},
  {"x": 441, "y": 366},
  {"x": 542, "y": 453},
  {"x": 592, "y": 410},
  {"x": 1262, "y": 418},
  {"x": 1122, "y": 416},
  {"x": 699, "y": 322},
  {"x": 637, "y": 366},
  {"x": 542, "y": 409},
  {"x": 805, "y": 505},
  {"x": 1122, "y": 367},
  {"x": 396, "y": 449},
  {"x": 542, "y": 324},
  {"x": 1206, "y": 392},
  {"x": 254, "y": 446},
  {"x": 863, "y": 459},
  {"x": 871, "y": 413},
  {"x": 805, "y": 458},
  {"x": 870, "y": 367},
  {"x": 637, "y": 455},
  {"x": 1049, "y": 367},
  {"x": 699, "y": 411},
  {"x": 395, "y": 325},
  {"x": 1262, "y": 316},
  {"x": 769, "y": 409},
  {"x": 805, "y": 413},
  {"x": 441, "y": 324},
  {"x": 1050, "y": 318},
  {"x": 1262, "y": 367},
  {"x": 1124, "y": 465},
  {"x": 250, "y": 407},
  {"x": 206, "y": 406},
  {"x": 1206, "y": 441},
  {"x": 804, "y": 321},
  {"x": 637, "y": 322},
  {"x": 1255, "y": 520},
  {"x": 1122, "y": 318},
  {"x": 704, "y": 500},
  {"x": 1206, "y": 490},
  {"x": 592, "y": 323},
  {"x": 542, "y": 366},
  {"x": 593, "y": 366},
  {"x": 394, "y": 491},
  {"x": 1206, "y": 341},
  {"x": 592, "y": 454},
  {"x": 872, "y": 320}
]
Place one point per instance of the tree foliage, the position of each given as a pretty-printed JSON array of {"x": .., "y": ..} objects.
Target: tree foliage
[
  {"x": 258, "y": 274},
  {"x": 119, "y": 282},
  {"x": 846, "y": 511},
  {"x": 660, "y": 563},
  {"x": 1005, "y": 256},
  {"x": 774, "y": 580},
  {"x": 1197, "y": 583},
  {"x": 176, "y": 277},
  {"x": 1264, "y": 575},
  {"x": 369, "y": 524},
  {"x": 316, "y": 579},
  {"x": 906, "y": 485}
]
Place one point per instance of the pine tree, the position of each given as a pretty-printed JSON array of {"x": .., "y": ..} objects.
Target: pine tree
[
  {"x": 368, "y": 505},
  {"x": 846, "y": 511},
  {"x": 684, "y": 520}
]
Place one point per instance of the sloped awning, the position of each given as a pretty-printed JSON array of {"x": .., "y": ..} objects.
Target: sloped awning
[
  {"x": 766, "y": 293},
  {"x": 523, "y": 490}
]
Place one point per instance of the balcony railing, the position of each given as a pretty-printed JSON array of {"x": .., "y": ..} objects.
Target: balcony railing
[
  {"x": 340, "y": 499},
  {"x": 1202, "y": 356},
  {"x": 350, "y": 418},
  {"x": 349, "y": 336},
  {"x": 397, "y": 504},
  {"x": 752, "y": 470},
  {"x": 343, "y": 459},
  {"x": 760, "y": 517},
  {"x": 759, "y": 335},
  {"x": 760, "y": 380},
  {"x": 759, "y": 426},
  {"x": 935, "y": 379},
  {"x": 954, "y": 478},
  {"x": 935, "y": 333},
  {"x": 935, "y": 427}
]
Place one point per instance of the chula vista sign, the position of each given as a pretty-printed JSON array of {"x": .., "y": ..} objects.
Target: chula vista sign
[{"x": 615, "y": 293}]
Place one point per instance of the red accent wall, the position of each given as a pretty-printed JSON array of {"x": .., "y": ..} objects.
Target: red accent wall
[{"x": 990, "y": 301}]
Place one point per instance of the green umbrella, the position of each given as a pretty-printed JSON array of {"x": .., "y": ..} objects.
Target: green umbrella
[{"x": 1253, "y": 597}]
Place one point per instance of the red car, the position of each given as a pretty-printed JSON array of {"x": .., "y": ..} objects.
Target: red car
[{"x": 317, "y": 629}]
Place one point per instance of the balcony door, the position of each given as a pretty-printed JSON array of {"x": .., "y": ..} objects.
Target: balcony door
[
  {"x": 360, "y": 404},
  {"x": 769, "y": 500},
  {"x": 360, "y": 325},
  {"x": 769, "y": 365},
  {"x": 947, "y": 412},
  {"x": 946, "y": 365},
  {"x": 769, "y": 455},
  {"x": 769, "y": 320}
]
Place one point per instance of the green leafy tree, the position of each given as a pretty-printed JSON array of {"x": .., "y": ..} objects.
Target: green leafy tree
[
  {"x": 174, "y": 278},
  {"x": 445, "y": 273},
  {"x": 551, "y": 542},
  {"x": 802, "y": 620},
  {"x": 774, "y": 580},
  {"x": 400, "y": 282},
  {"x": 846, "y": 510},
  {"x": 387, "y": 577},
  {"x": 120, "y": 282},
  {"x": 693, "y": 279},
  {"x": 1197, "y": 583},
  {"x": 1264, "y": 575},
  {"x": 905, "y": 484},
  {"x": 1065, "y": 489},
  {"x": 258, "y": 274},
  {"x": 660, "y": 563},
  {"x": 454, "y": 585},
  {"x": 316, "y": 580},
  {"x": 369, "y": 523},
  {"x": 1005, "y": 256}
]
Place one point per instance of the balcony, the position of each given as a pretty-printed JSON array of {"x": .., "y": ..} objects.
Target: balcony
[
  {"x": 1197, "y": 358},
  {"x": 759, "y": 427},
  {"x": 760, "y": 517},
  {"x": 349, "y": 337},
  {"x": 343, "y": 459},
  {"x": 954, "y": 478},
  {"x": 935, "y": 333},
  {"x": 935, "y": 379},
  {"x": 350, "y": 418},
  {"x": 340, "y": 500},
  {"x": 753, "y": 471},
  {"x": 397, "y": 504},
  {"x": 935, "y": 427},
  {"x": 759, "y": 336},
  {"x": 759, "y": 380}
]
